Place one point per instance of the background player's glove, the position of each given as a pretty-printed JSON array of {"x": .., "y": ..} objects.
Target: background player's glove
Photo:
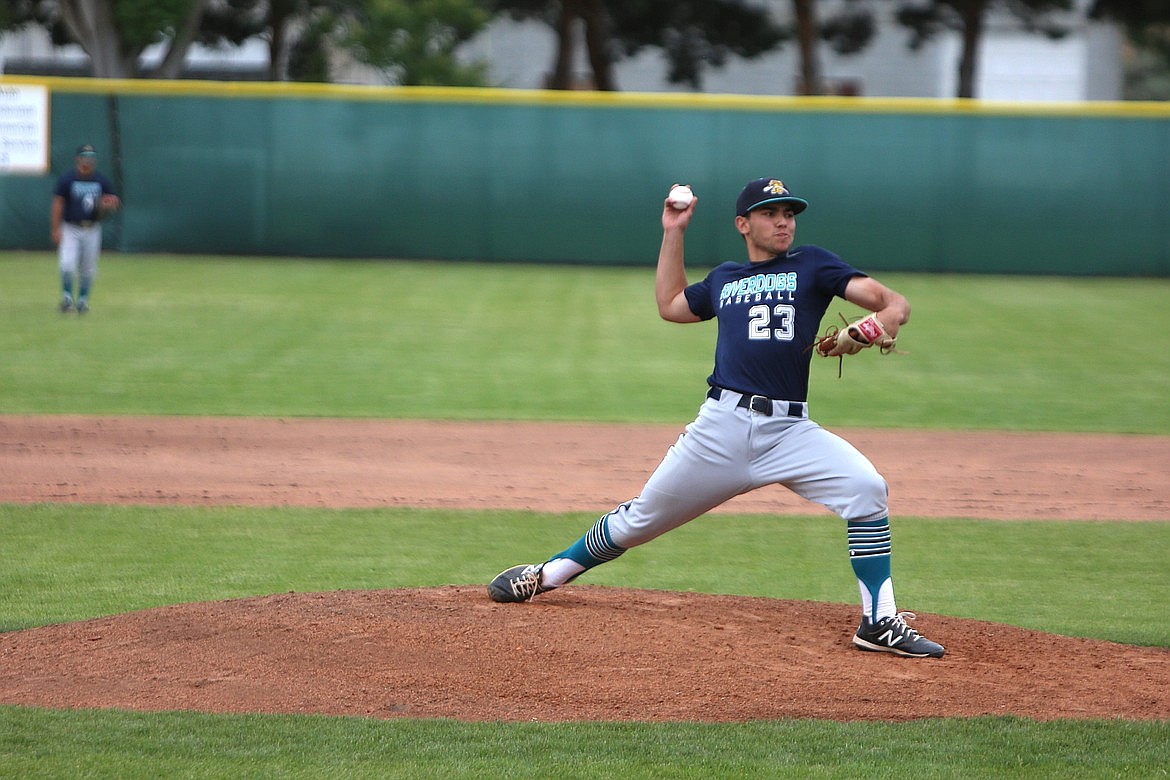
[
  {"x": 107, "y": 205},
  {"x": 853, "y": 338}
]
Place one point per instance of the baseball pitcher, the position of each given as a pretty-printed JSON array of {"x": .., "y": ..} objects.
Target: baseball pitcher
[{"x": 753, "y": 428}]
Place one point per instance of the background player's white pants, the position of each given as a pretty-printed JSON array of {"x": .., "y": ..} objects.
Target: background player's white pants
[
  {"x": 78, "y": 250},
  {"x": 727, "y": 451}
]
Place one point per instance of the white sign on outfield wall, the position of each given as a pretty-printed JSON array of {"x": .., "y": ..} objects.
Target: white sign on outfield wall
[{"x": 24, "y": 129}]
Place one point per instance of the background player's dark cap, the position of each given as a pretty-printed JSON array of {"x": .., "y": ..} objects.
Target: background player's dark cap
[
  {"x": 86, "y": 150},
  {"x": 766, "y": 190}
]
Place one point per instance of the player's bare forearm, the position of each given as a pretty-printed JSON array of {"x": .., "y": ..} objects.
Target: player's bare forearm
[
  {"x": 670, "y": 280},
  {"x": 894, "y": 312},
  {"x": 55, "y": 213},
  {"x": 891, "y": 307}
]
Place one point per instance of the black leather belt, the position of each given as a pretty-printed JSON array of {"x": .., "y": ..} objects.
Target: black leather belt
[
  {"x": 760, "y": 404},
  {"x": 84, "y": 223}
]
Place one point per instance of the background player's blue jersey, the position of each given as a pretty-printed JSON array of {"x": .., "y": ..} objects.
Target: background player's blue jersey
[
  {"x": 769, "y": 314},
  {"x": 81, "y": 194}
]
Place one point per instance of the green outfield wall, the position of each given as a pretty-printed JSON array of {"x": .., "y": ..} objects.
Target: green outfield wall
[{"x": 534, "y": 176}]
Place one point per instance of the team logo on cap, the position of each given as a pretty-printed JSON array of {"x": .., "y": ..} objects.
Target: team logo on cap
[{"x": 775, "y": 187}]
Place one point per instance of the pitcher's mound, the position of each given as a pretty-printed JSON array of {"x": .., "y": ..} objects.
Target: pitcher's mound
[{"x": 578, "y": 653}]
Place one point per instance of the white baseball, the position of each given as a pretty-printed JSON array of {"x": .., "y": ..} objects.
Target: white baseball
[{"x": 680, "y": 196}]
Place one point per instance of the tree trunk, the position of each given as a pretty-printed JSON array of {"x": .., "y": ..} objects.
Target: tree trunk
[
  {"x": 972, "y": 13},
  {"x": 281, "y": 15},
  {"x": 807, "y": 33},
  {"x": 276, "y": 50},
  {"x": 172, "y": 64},
  {"x": 597, "y": 38},
  {"x": 563, "y": 63},
  {"x": 91, "y": 24}
]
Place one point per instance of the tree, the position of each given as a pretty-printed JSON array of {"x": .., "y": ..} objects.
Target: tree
[
  {"x": 692, "y": 34},
  {"x": 807, "y": 35},
  {"x": 926, "y": 18},
  {"x": 414, "y": 41},
  {"x": 114, "y": 33},
  {"x": 410, "y": 41},
  {"x": 1147, "y": 28},
  {"x": 235, "y": 21},
  {"x": 1138, "y": 16},
  {"x": 847, "y": 32}
]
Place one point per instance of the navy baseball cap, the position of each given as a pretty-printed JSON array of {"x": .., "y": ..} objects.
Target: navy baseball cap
[
  {"x": 85, "y": 150},
  {"x": 766, "y": 190}
]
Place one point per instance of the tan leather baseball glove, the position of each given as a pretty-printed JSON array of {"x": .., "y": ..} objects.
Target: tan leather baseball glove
[{"x": 854, "y": 337}]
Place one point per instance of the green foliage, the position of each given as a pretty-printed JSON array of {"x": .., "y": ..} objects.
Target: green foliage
[
  {"x": 415, "y": 42},
  {"x": 308, "y": 57},
  {"x": 113, "y": 32},
  {"x": 850, "y": 29},
  {"x": 1147, "y": 59},
  {"x": 16, "y": 14},
  {"x": 926, "y": 20},
  {"x": 969, "y": 18},
  {"x": 143, "y": 22},
  {"x": 692, "y": 34},
  {"x": 1134, "y": 15},
  {"x": 695, "y": 35}
]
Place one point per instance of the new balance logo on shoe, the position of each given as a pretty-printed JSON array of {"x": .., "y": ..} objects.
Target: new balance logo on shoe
[{"x": 893, "y": 635}]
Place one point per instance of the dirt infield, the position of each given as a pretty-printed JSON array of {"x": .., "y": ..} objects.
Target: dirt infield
[{"x": 582, "y": 652}]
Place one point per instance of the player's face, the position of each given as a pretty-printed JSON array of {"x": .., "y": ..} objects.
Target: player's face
[
  {"x": 769, "y": 230},
  {"x": 86, "y": 165}
]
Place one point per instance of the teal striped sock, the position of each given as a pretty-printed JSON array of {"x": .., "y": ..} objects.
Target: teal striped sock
[
  {"x": 869, "y": 554},
  {"x": 594, "y": 548}
]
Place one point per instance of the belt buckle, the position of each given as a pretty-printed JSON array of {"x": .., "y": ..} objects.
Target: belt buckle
[{"x": 761, "y": 404}]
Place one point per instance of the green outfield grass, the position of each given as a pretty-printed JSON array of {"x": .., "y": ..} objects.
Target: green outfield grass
[
  {"x": 232, "y": 336},
  {"x": 272, "y": 337}
]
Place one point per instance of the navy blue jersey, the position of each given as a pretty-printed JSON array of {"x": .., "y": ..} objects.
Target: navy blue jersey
[
  {"x": 81, "y": 195},
  {"x": 768, "y": 316}
]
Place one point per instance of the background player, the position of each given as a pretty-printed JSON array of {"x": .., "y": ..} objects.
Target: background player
[
  {"x": 80, "y": 200},
  {"x": 753, "y": 429}
]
